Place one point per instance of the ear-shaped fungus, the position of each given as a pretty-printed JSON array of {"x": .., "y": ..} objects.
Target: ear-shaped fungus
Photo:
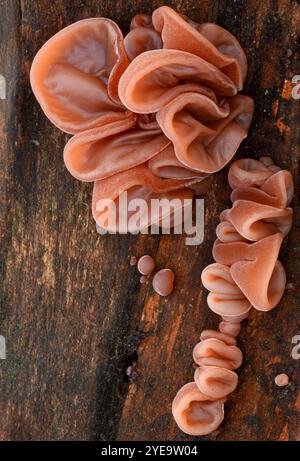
[
  {"x": 247, "y": 273},
  {"x": 164, "y": 96}
]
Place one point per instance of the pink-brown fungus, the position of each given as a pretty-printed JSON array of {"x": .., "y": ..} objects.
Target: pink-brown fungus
[
  {"x": 152, "y": 113},
  {"x": 163, "y": 282},
  {"x": 146, "y": 265},
  {"x": 281, "y": 380},
  {"x": 246, "y": 274}
]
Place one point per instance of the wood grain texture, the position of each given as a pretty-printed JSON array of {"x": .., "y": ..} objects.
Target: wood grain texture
[{"x": 73, "y": 312}]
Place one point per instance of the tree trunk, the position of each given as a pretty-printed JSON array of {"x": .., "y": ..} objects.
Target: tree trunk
[{"x": 73, "y": 312}]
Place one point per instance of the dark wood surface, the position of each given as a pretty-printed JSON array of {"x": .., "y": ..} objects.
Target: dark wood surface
[{"x": 73, "y": 312}]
